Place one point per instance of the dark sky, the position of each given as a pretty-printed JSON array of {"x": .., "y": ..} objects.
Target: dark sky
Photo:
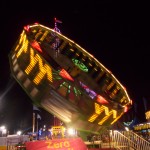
[{"x": 116, "y": 33}]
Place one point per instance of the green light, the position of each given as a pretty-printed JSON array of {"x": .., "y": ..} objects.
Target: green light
[{"x": 80, "y": 65}]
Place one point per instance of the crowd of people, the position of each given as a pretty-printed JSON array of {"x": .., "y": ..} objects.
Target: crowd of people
[{"x": 103, "y": 137}]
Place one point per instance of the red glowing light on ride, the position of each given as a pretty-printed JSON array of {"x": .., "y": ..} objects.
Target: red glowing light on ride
[
  {"x": 27, "y": 28},
  {"x": 63, "y": 73},
  {"x": 125, "y": 109},
  {"x": 36, "y": 45},
  {"x": 101, "y": 100}
]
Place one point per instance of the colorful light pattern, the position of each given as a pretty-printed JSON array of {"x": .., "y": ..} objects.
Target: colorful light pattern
[
  {"x": 77, "y": 91},
  {"x": 80, "y": 65}
]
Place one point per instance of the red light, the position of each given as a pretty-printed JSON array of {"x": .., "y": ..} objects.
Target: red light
[
  {"x": 63, "y": 73},
  {"x": 36, "y": 23},
  {"x": 27, "y": 28},
  {"x": 101, "y": 100},
  {"x": 36, "y": 45}
]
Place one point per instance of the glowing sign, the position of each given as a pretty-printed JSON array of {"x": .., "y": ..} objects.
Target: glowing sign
[
  {"x": 44, "y": 69},
  {"x": 98, "y": 110},
  {"x": 61, "y": 144}
]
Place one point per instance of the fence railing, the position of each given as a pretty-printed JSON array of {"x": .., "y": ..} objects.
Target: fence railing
[
  {"x": 142, "y": 144},
  {"x": 120, "y": 140}
]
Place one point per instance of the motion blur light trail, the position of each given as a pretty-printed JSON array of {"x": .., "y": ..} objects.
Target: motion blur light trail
[{"x": 7, "y": 89}]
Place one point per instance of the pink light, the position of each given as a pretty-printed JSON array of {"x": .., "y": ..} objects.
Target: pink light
[
  {"x": 36, "y": 23},
  {"x": 58, "y": 21},
  {"x": 27, "y": 28},
  {"x": 125, "y": 109}
]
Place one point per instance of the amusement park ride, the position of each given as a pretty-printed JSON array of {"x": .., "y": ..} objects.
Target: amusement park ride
[{"x": 66, "y": 80}]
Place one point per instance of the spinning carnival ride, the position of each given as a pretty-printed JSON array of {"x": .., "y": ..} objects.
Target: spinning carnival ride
[{"x": 66, "y": 80}]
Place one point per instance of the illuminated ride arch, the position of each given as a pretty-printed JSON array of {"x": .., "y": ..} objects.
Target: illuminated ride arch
[{"x": 66, "y": 80}]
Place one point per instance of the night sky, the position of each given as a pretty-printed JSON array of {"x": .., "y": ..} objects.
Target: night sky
[{"x": 117, "y": 34}]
